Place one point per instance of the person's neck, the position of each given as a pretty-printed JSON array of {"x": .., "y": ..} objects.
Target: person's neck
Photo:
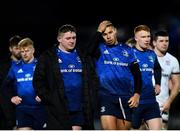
[
  {"x": 139, "y": 48},
  {"x": 30, "y": 60},
  {"x": 112, "y": 45},
  {"x": 64, "y": 50},
  {"x": 159, "y": 53}
]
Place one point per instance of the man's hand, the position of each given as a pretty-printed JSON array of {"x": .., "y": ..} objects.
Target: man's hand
[
  {"x": 16, "y": 100},
  {"x": 103, "y": 25},
  {"x": 134, "y": 100},
  {"x": 166, "y": 106},
  {"x": 157, "y": 89}
]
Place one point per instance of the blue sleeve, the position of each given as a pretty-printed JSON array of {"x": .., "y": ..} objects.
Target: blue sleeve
[{"x": 132, "y": 56}]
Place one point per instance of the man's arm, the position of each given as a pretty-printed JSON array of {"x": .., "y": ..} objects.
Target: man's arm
[
  {"x": 174, "y": 91},
  {"x": 134, "y": 101},
  {"x": 92, "y": 47},
  {"x": 97, "y": 38},
  {"x": 157, "y": 76},
  {"x": 39, "y": 80},
  {"x": 8, "y": 89}
]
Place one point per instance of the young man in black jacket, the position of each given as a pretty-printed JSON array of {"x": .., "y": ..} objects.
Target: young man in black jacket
[{"x": 63, "y": 81}]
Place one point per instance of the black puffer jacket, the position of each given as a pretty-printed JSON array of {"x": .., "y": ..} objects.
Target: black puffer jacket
[
  {"x": 49, "y": 86},
  {"x": 7, "y": 109}
]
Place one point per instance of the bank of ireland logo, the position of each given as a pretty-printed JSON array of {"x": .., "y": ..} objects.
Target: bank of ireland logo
[
  {"x": 27, "y": 75},
  {"x": 145, "y": 65},
  {"x": 115, "y": 59},
  {"x": 71, "y": 66},
  {"x": 103, "y": 109}
]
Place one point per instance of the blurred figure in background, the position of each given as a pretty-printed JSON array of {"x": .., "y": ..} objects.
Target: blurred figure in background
[
  {"x": 131, "y": 42},
  {"x": 7, "y": 109}
]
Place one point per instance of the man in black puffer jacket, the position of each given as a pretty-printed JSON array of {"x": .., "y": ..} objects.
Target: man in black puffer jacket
[{"x": 64, "y": 81}]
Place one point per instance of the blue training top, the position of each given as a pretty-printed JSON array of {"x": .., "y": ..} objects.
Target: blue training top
[
  {"x": 147, "y": 60},
  {"x": 22, "y": 75},
  {"x": 113, "y": 69},
  {"x": 71, "y": 69}
]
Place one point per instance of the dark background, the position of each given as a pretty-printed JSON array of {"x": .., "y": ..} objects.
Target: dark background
[{"x": 40, "y": 20}]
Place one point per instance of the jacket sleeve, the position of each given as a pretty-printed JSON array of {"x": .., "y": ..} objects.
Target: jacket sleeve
[
  {"x": 40, "y": 80},
  {"x": 92, "y": 47},
  {"x": 137, "y": 77},
  {"x": 157, "y": 72},
  {"x": 8, "y": 87},
  {"x": 6, "y": 92}
]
